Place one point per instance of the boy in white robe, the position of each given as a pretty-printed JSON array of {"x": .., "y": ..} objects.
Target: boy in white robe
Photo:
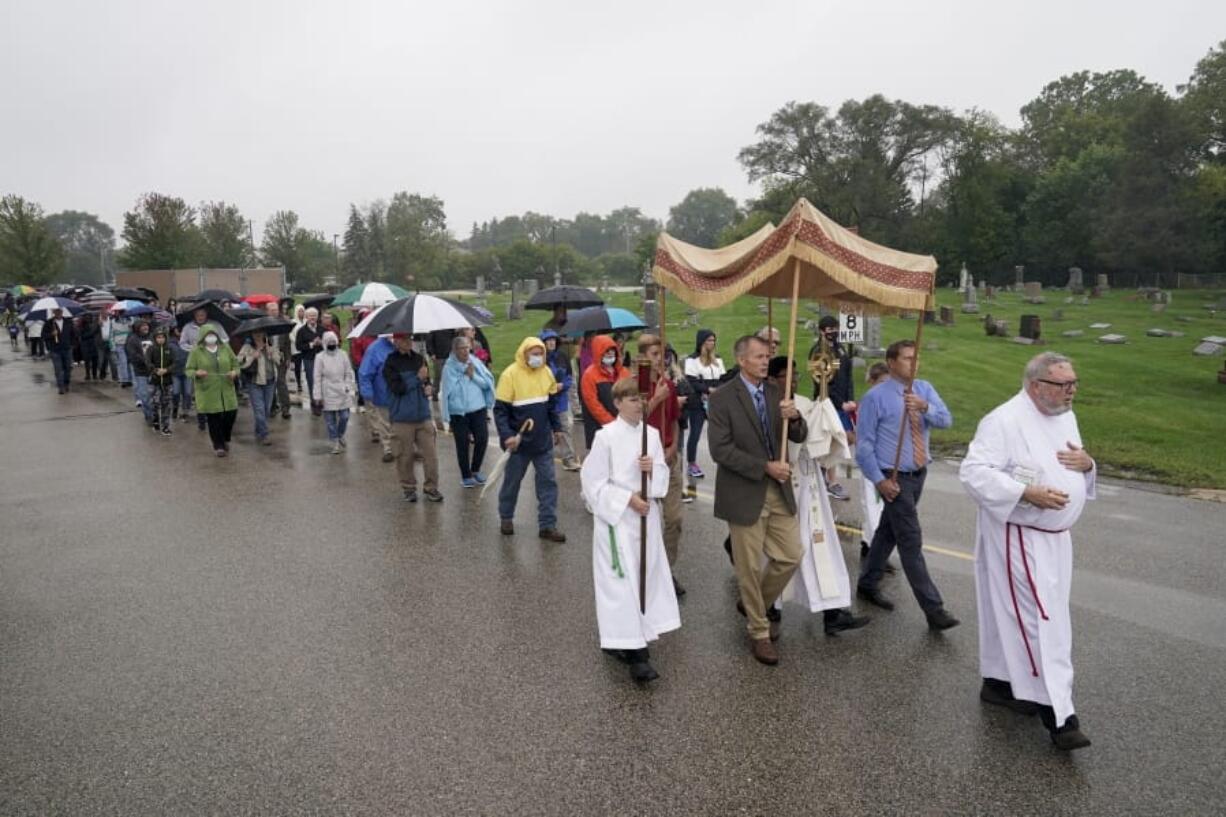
[
  {"x": 821, "y": 583},
  {"x": 611, "y": 477},
  {"x": 1031, "y": 478}
]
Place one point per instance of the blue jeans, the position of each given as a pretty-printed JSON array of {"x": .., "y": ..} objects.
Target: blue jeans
[
  {"x": 546, "y": 487},
  {"x": 121, "y": 364},
  {"x": 696, "y": 420},
  {"x": 261, "y": 402},
  {"x": 337, "y": 422},
  {"x": 182, "y": 392},
  {"x": 140, "y": 388}
]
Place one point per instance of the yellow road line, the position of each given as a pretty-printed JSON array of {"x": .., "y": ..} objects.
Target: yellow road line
[{"x": 850, "y": 531}]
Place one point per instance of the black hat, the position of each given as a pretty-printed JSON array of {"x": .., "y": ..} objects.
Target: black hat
[{"x": 828, "y": 322}]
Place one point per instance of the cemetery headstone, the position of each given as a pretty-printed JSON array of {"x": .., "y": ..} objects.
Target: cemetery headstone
[
  {"x": 1019, "y": 275},
  {"x": 1113, "y": 339},
  {"x": 1207, "y": 349},
  {"x": 989, "y": 325},
  {"x": 1085, "y": 301},
  {"x": 970, "y": 302},
  {"x": 1100, "y": 326},
  {"x": 963, "y": 278},
  {"x": 1103, "y": 283},
  {"x": 1071, "y": 333},
  {"x": 1030, "y": 327},
  {"x": 1002, "y": 328},
  {"x": 1034, "y": 292},
  {"x": 1075, "y": 284},
  {"x": 872, "y": 337},
  {"x": 1057, "y": 314},
  {"x": 930, "y": 316},
  {"x": 1158, "y": 333},
  {"x": 947, "y": 314},
  {"x": 1158, "y": 308}
]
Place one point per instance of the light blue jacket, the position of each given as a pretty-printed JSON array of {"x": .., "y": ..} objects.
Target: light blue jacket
[{"x": 467, "y": 394}]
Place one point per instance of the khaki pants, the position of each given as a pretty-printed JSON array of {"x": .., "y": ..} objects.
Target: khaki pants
[
  {"x": 672, "y": 511},
  {"x": 775, "y": 536},
  {"x": 380, "y": 427},
  {"x": 422, "y": 435}
]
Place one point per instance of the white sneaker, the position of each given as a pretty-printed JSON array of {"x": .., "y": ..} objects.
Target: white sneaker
[
  {"x": 336, "y": 447},
  {"x": 341, "y": 440}
]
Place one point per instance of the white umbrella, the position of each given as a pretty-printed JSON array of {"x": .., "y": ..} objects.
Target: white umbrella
[
  {"x": 418, "y": 315},
  {"x": 41, "y": 309}
]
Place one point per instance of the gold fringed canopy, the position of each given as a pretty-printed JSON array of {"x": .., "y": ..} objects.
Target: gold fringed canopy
[{"x": 837, "y": 266}]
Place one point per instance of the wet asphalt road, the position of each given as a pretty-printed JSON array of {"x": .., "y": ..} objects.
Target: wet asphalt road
[{"x": 277, "y": 633}]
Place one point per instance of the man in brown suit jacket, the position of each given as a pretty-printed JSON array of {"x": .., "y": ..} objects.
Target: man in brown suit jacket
[{"x": 753, "y": 486}]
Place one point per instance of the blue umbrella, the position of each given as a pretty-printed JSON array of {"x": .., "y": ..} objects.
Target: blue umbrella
[
  {"x": 131, "y": 308},
  {"x": 41, "y": 309},
  {"x": 602, "y": 319}
]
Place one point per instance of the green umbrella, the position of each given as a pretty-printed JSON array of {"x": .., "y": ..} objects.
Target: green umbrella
[{"x": 370, "y": 295}]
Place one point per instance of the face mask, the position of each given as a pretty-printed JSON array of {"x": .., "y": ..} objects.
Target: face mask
[
  {"x": 609, "y": 359},
  {"x": 332, "y": 347},
  {"x": 536, "y": 361},
  {"x": 211, "y": 341}
]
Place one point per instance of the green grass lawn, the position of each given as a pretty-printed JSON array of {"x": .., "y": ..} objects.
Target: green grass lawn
[{"x": 1148, "y": 409}]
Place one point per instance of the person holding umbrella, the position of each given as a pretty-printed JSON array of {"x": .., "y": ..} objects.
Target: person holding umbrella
[
  {"x": 284, "y": 347},
  {"x": 308, "y": 342},
  {"x": 468, "y": 389},
  {"x": 526, "y": 392},
  {"x": 259, "y": 363},
  {"x": 215, "y": 369},
  {"x": 89, "y": 335},
  {"x": 58, "y": 335},
  {"x": 408, "y": 380}
]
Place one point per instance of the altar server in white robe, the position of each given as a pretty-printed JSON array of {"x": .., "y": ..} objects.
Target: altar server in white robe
[
  {"x": 1028, "y": 473},
  {"x": 821, "y": 583},
  {"x": 612, "y": 479}
]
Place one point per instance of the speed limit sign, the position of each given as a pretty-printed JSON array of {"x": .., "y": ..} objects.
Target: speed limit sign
[{"x": 851, "y": 327}]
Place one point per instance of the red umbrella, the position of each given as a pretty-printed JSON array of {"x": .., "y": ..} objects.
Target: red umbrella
[{"x": 261, "y": 298}]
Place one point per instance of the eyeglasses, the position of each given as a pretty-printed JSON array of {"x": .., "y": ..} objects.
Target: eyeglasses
[{"x": 1067, "y": 385}]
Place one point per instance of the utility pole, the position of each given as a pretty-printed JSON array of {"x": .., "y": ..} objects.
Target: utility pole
[{"x": 336, "y": 253}]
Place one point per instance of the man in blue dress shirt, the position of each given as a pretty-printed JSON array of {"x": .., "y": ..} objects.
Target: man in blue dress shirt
[{"x": 880, "y": 420}]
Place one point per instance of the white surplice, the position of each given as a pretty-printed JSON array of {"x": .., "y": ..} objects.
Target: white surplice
[
  {"x": 610, "y": 476},
  {"x": 1023, "y": 554},
  {"x": 821, "y": 582}
]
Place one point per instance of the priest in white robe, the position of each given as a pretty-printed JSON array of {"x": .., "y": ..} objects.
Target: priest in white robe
[
  {"x": 1029, "y": 475},
  {"x": 612, "y": 480},
  {"x": 821, "y": 583}
]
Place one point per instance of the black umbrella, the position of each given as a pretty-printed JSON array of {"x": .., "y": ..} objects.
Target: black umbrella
[
  {"x": 215, "y": 315},
  {"x": 130, "y": 294},
  {"x": 567, "y": 296},
  {"x": 266, "y": 324},
  {"x": 318, "y": 301},
  {"x": 217, "y": 295},
  {"x": 417, "y": 315}
]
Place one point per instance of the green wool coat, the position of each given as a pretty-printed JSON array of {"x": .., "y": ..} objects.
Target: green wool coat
[{"x": 214, "y": 392}]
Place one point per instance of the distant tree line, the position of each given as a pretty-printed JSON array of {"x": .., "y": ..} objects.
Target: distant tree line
[{"x": 1108, "y": 172}]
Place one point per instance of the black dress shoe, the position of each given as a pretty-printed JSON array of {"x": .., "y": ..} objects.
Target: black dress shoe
[
  {"x": 874, "y": 597},
  {"x": 677, "y": 588},
  {"x": 641, "y": 669},
  {"x": 938, "y": 619},
  {"x": 1069, "y": 736},
  {"x": 842, "y": 620},
  {"x": 1000, "y": 693},
  {"x": 620, "y": 655}
]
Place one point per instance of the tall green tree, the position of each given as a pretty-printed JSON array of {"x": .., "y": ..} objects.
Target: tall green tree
[
  {"x": 1204, "y": 96},
  {"x": 161, "y": 233},
  {"x": 856, "y": 165},
  {"x": 88, "y": 243},
  {"x": 226, "y": 236},
  {"x": 357, "y": 265},
  {"x": 307, "y": 256},
  {"x": 29, "y": 252},
  {"x": 703, "y": 215},
  {"x": 416, "y": 240}
]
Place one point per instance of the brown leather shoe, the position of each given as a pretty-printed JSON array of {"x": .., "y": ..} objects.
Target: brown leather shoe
[
  {"x": 552, "y": 535},
  {"x": 765, "y": 651},
  {"x": 508, "y": 527}
]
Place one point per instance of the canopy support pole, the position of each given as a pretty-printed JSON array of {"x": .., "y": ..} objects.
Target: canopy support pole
[
  {"x": 902, "y": 429},
  {"x": 787, "y": 388}
]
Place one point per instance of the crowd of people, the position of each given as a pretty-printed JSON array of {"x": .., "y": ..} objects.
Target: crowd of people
[{"x": 643, "y": 420}]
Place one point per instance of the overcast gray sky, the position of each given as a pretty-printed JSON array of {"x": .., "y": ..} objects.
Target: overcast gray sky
[{"x": 502, "y": 107}]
